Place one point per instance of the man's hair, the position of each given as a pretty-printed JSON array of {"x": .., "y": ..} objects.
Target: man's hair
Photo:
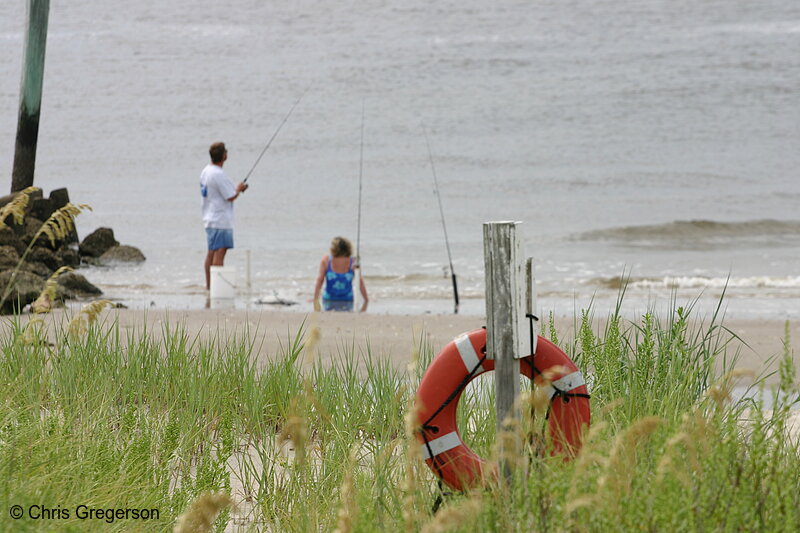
[
  {"x": 341, "y": 247},
  {"x": 217, "y": 152}
]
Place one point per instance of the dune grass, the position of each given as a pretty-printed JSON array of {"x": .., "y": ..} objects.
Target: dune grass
[{"x": 116, "y": 419}]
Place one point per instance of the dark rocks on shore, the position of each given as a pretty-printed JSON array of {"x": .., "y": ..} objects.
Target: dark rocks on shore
[
  {"x": 40, "y": 269},
  {"x": 76, "y": 285},
  {"x": 25, "y": 289},
  {"x": 9, "y": 257},
  {"x": 122, "y": 254},
  {"x": 59, "y": 197},
  {"x": 46, "y": 257},
  {"x": 35, "y": 265},
  {"x": 41, "y": 208},
  {"x": 30, "y": 227},
  {"x": 98, "y": 242},
  {"x": 9, "y": 238},
  {"x": 102, "y": 249},
  {"x": 69, "y": 257}
]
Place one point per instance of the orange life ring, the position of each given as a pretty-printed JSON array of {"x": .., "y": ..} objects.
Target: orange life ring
[{"x": 460, "y": 362}]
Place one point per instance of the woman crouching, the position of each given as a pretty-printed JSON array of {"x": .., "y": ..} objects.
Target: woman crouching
[{"x": 337, "y": 271}]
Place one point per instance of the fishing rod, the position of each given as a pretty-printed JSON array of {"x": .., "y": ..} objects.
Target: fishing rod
[
  {"x": 444, "y": 226},
  {"x": 360, "y": 179},
  {"x": 275, "y": 134}
]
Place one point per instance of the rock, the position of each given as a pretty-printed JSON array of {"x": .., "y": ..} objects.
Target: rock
[
  {"x": 33, "y": 225},
  {"x": 40, "y": 269},
  {"x": 59, "y": 197},
  {"x": 9, "y": 257},
  {"x": 47, "y": 257},
  {"x": 77, "y": 286},
  {"x": 41, "y": 208},
  {"x": 7, "y": 198},
  {"x": 69, "y": 257},
  {"x": 8, "y": 237},
  {"x": 122, "y": 254},
  {"x": 25, "y": 290},
  {"x": 31, "y": 196},
  {"x": 98, "y": 242},
  {"x": 30, "y": 228}
]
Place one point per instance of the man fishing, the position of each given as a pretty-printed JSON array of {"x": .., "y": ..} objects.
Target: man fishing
[{"x": 218, "y": 194}]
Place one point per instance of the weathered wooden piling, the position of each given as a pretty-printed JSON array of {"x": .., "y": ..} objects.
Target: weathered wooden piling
[
  {"x": 508, "y": 300},
  {"x": 30, "y": 100}
]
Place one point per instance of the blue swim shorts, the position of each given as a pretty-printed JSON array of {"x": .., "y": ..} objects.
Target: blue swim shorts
[
  {"x": 337, "y": 305},
  {"x": 219, "y": 238}
]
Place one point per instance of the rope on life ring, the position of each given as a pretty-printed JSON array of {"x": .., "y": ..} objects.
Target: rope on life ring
[{"x": 448, "y": 375}]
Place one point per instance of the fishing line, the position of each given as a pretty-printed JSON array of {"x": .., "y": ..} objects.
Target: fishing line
[
  {"x": 275, "y": 134},
  {"x": 441, "y": 212},
  {"x": 360, "y": 179}
]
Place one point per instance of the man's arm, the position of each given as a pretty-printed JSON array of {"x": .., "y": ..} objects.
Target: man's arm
[{"x": 240, "y": 188}]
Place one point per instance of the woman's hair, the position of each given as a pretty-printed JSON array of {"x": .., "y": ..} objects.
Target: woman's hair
[{"x": 341, "y": 247}]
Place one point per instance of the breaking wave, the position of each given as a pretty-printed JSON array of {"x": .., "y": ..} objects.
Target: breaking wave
[
  {"x": 689, "y": 234},
  {"x": 699, "y": 282}
]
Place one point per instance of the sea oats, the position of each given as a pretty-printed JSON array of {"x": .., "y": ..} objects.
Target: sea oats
[
  {"x": 348, "y": 512},
  {"x": 295, "y": 431},
  {"x": 508, "y": 439},
  {"x": 588, "y": 455},
  {"x": 60, "y": 224},
  {"x": 16, "y": 207},
  {"x": 32, "y": 333},
  {"x": 455, "y": 516},
  {"x": 200, "y": 516},
  {"x": 580, "y": 503},
  {"x": 93, "y": 309},
  {"x": 622, "y": 458},
  {"x": 786, "y": 369},
  {"x": 720, "y": 392},
  {"x": 310, "y": 349},
  {"x": 413, "y": 455},
  {"x": 44, "y": 302},
  {"x": 670, "y": 464},
  {"x": 539, "y": 400},
  {"x": 87, "y": 316}
]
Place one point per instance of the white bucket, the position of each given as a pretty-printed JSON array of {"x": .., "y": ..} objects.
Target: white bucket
[{"x": 223, "y": 282}]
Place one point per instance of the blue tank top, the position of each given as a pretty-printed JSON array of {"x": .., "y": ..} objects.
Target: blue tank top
[{"x": 338, "y": 286}]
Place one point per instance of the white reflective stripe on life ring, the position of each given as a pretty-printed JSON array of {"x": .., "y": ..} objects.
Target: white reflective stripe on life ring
[
  {"x": 442, "y": 444},
  {"x": 566, "y": 384},
  {"x": 467, "y": 353}
]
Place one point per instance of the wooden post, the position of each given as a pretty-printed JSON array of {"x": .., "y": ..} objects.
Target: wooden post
[
  {"x": 30, "y": 99},
  {"x": 505, "y": 328}
]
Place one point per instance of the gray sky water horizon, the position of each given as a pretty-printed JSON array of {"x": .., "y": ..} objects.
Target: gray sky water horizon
[{"x": 576, "y": 118}]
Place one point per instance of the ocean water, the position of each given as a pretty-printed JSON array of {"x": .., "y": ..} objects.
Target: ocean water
[{"x": 649, "y": 140}]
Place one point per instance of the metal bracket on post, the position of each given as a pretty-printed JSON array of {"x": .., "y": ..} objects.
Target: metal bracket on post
[
  {"x": 530, "y": 305},
  {"x": 507, "y": 330}
]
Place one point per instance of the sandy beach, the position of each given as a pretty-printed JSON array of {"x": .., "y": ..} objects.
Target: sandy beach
[{"x": 394, "y": 337}]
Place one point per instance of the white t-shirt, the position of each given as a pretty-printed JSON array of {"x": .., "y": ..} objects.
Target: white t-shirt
[{"x": 216, "y": 188}]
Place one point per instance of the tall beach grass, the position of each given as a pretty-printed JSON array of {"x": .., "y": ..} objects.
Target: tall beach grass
[{"x": 164, "y": 419}]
